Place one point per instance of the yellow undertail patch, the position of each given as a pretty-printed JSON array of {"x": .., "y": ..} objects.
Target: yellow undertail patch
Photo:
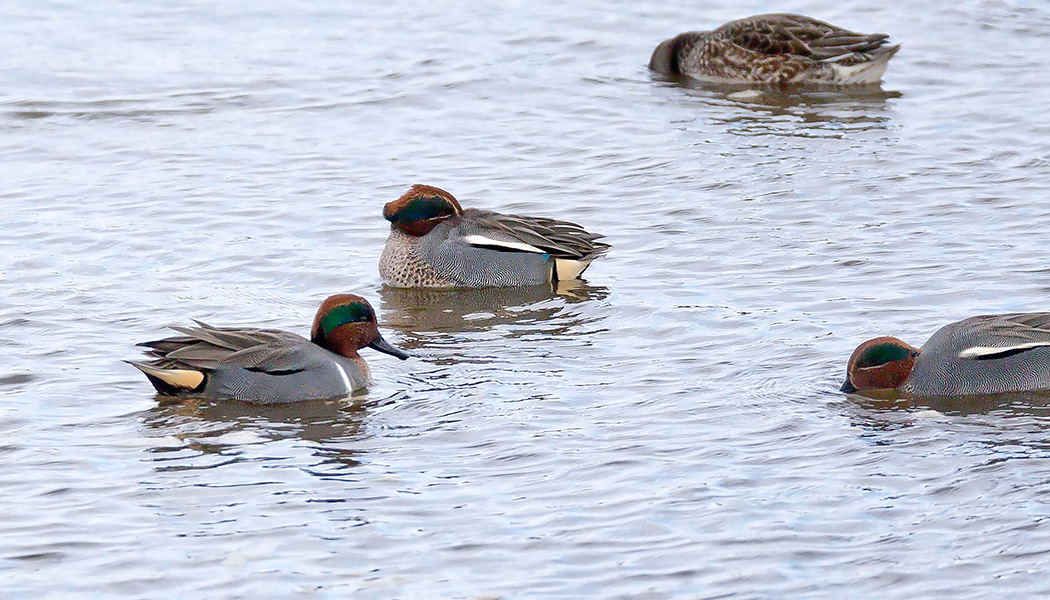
[
  {"x": 179, "y": 378},
  {"x": 568, "y": 268}
]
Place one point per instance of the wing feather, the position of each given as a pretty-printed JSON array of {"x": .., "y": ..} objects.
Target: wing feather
[
  {"x": 205, "y": 347},
  {"x": 800, "y": 36},
  {"x": 1001, "y": 336},
  {"x": 560, "y": 239}
]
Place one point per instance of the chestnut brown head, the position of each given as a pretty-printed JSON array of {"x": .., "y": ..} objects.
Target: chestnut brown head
[
  {"x": 345, "y": 323},
  {"x": 420, "y": 209},
  {"x": 880, "y": 364}
]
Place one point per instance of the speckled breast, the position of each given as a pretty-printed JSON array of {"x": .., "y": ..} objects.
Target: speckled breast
[{"x": 401, "y": 265}]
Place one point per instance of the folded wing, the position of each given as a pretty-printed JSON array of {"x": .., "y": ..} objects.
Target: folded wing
[
  {"x": 205, "y": 347},
  {"x": 1008, "y": 335},
  {"x": 800, "y": 36},
  {"x": 513, "y": 233}
]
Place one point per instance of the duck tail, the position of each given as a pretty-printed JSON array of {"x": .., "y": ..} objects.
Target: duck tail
[
  {"x": 571, "y": 268},
  {"x": 171, "y": 381},
  {"x": 567, "y": 268},
  {"x": 869, "y": 71}
]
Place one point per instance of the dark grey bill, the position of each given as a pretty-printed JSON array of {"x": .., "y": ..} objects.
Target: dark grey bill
[{"x": 381, "y": 345}]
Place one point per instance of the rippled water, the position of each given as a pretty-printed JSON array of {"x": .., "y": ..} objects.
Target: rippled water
[{"x": 672, "y": 428}]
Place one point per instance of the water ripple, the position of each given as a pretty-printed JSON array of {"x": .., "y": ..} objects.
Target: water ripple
[{"x": 669, "y": 429}]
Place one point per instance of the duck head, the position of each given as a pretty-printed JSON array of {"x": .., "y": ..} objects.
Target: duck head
[
  {"x": 879, "y": 364},
  {"x": 665, "y": 58},
  {"x": 345, "y": 323},
  {"x": 421, "y": 209}
]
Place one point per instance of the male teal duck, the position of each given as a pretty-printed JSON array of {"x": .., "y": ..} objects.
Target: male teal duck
[
  {"x": 269, "y": 366},
  {"x": 777, "y": 49},
  {"x": 435, "y": 243},
  {"x": 983, "y": 355}
]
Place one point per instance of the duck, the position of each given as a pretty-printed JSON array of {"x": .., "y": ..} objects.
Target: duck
[
  {"x": 778, "y": 50},
  {"x": 981, "y": 355},
  {"x": 270, "y": 366},
  {"x": 436, "y": 243}
]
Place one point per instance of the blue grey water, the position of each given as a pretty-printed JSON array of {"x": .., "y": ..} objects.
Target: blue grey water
[{"x": 670, "y": 429}]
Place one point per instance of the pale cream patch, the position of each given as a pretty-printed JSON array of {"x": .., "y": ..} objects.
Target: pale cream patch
[
  {"x": 745, "y": 95},
  {"x": 863, "y": 73},
  {"x": 568, "y": 268},
  {"x": 179, "y": 378}
]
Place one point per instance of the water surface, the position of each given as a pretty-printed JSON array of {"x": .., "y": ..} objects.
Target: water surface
[{"x": 670, "y": 429}]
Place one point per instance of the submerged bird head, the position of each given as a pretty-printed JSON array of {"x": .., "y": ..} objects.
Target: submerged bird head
[
  {"x": 421, "y": 209},
  {"x": 879, "y": 364},
  {"x": 665, "y": 58},
  {"x": 345, "y": 323}
]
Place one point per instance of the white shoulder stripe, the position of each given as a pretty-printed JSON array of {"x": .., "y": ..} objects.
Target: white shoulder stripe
[
  {"x": 480, "y": 240},
  {"x": 979, "y": 351},
  {"x": 346, "y": 380}
]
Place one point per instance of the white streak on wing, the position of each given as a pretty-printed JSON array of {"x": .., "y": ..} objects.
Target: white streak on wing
[
  {"x": 346, "y": 380},
  {"x": 480, "y": 240},
  {"x": 978, "y": 351},
  {"x": 838, "y": 58}
]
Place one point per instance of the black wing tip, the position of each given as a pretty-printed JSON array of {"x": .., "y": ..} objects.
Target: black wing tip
[
  {"x": 598, "y": 249},
  {"x": 887, "y": 50}
]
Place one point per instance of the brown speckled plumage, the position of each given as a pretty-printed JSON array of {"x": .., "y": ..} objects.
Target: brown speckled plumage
[{"x": 777, "y": 49}]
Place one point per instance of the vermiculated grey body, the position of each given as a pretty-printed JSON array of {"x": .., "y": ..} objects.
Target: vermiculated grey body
[
  {"x": 262, "y": 366},
  {"x": 940, "y": 371},
  {"x": 450, "y": 255},
  {"x": 319, "y": 377}
]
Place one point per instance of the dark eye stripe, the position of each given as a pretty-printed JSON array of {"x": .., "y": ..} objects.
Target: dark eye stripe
[
  {"x": 882, "y": 354},
  {"x": 421, "y": 209},
  {"x": 346, "y": 313}
]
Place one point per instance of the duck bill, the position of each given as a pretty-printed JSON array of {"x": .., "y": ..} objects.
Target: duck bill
[
  {"x": 381, "y": 345},
  {"x": 848, "y": 388}
]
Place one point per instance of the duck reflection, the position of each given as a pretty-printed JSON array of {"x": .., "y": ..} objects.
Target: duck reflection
[
  {"x": 800, "y": 110},
  {"x": 1007, "y": 405},
  {"x": 203, "y": 434},
  {"x": 1003, "y": 426},
  {"x": 424, "y": 315}
]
